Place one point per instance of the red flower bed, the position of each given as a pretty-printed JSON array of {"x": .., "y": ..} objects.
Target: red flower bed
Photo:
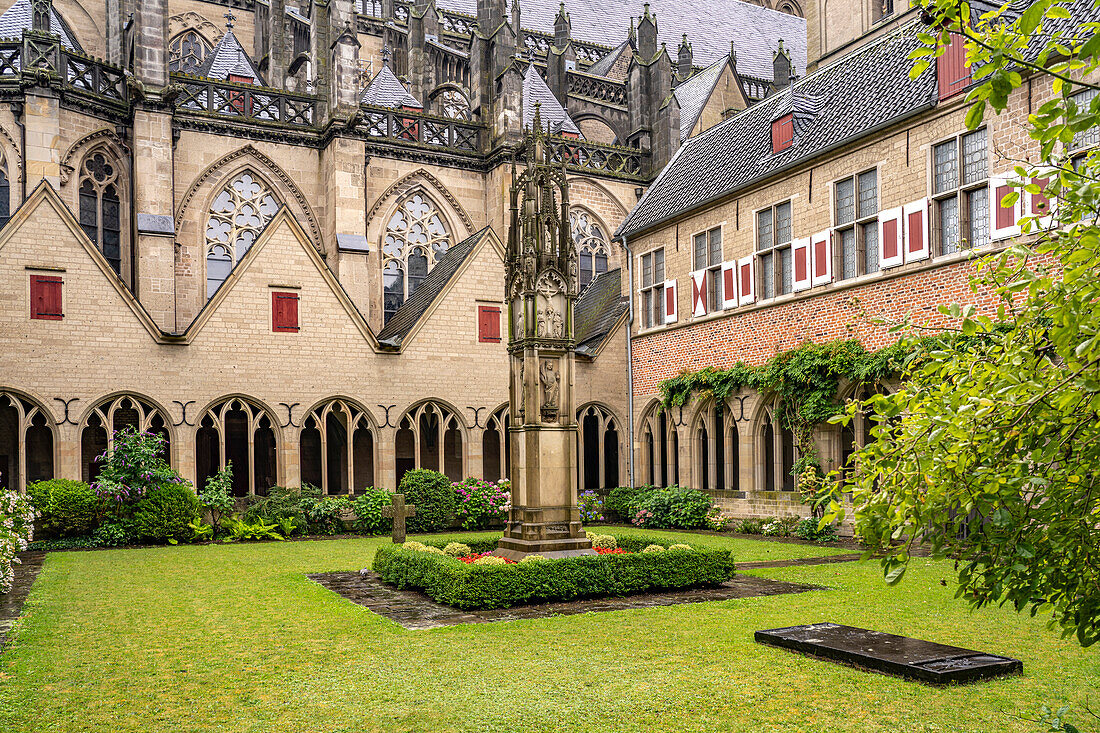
[
  {"x": 469, "y": 559},
  {"x": 605, "y": 551}
]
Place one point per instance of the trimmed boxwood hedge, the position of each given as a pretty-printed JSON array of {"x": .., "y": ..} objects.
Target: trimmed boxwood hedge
[{"x": 469, "y": 587}]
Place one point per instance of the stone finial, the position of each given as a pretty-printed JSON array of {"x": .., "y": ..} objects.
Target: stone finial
[
  {"x": 782, "y": 68},
  {"x": 562, "y": 27},
  {"x": 647, "y": 34},
  {"x": 684, "y": 61},
  {"x": 385, "y": 54},
  {"x": 229, "y": 18}
]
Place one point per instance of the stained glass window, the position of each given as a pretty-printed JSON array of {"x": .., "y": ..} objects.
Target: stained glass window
[{"x": 101, "y": 208}]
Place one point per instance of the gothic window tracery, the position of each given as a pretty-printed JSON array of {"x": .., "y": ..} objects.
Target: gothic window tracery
[
  {"x": 187, "y": 52},
  {"x": 430, "y": 436},
  {"x": 598, "y": 447},
  {"x": 26, "y": 443},
  {"x": 416, "y": 238},
  {"x": 593, "y": 250},
  {"x": 236, "y": 218},
  {"x": 453, "y": 104},
  {"x": 98, "y": 434},
  {"x": 337, "y": 448},
  {"x": 101, "y": 206},
  {"x": 239, "y": 432}
]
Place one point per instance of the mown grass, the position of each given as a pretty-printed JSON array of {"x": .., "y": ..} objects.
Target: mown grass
[{"x": 235, "y": 638}]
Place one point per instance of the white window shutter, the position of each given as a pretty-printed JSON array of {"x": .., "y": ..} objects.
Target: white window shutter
[
  {"x": 916, "y": 230},
  {"x": 890, "y": 238},
  {"x": 821, "y": 252},
  {"x": 698, "y": 293},
  {"x": 800, "y": 252},
  {"x": 1004, "y": 221},
  {"x": 670, "y": 301},
  {"x": 729, "y": 284},
  {"x": 746, "y": 280}
]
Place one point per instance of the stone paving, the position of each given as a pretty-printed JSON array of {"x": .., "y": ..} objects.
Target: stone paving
[{"x": 415, "y": 610}]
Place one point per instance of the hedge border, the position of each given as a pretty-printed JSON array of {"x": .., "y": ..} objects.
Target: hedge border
[{"x": 480, "y": 587}]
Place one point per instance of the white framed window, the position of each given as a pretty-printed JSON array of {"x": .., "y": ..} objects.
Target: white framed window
[
  {"x": 707, "y": 259},
  {"x": 653, "y": 288},
  {"x": 855, "y": 225},
  {"x": 960, "y": 192},
  {"x": 773, "y": 250}
]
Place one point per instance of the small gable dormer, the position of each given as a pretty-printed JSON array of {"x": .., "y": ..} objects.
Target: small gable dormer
[{"x": 229, "y": 61}]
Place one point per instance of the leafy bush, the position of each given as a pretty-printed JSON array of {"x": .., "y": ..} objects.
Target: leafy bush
[
  {"x": 534, "y": 558},
  {"x": 681, "y": 547},
  {"x": 477, "y": 586},
  {"x": 135, "y": 466},
  {"x": 67, "y": 508},
  {"x": 201, "y": 531},
  {"x": 482, "y": 504},
  {"x": 282, "y": 501},
  {"x": 676, "y": 507},
  {"x": 239, "y": 528},
  {"x": 434, "y": 497},
  {"x": 654, "y": 548},
  {"x": 66, "y": 543},
  {"x": 368, "y": 511},
  {"x": 752, "y": 526},
  {"x": 642, "y": 517},
  {"x": 17, "y": 516},
  {"x": 807, "y": 529},
  {"x": 217, "y": 496},
  {"x": 457, "y": 549},
  {"x": 621, "y": 500},
  {"x": 604, "y": 542},
  {"x": 591, "y": 505},
  {"x": 717, "y": 521},
  {"x": 781, "y": 527},
  {"x": 111, "y": 534},
  {"x": 490, "y": 560},
  {"x": 323, "y": 513},
  {"x": 164, "y": 514}
]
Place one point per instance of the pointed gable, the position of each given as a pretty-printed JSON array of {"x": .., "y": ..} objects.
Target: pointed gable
[
  {"x": 553, "y": 115},
  {"x": 693, "y": 95},
  {"x": 19, "y": 18},
  {"x": 229, "y": 62},
  {"x": 615, "y": 63},
  {"x": 386, "y": 90}
]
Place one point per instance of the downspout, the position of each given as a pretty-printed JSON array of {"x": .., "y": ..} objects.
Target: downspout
[
  {"x": 17, "y": 110},
  {"x": 630, "y": 362}
]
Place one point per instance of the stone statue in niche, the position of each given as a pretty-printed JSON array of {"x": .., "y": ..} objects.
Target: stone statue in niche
[
  {"x": 551, "y": 387},
  {"x": 550, "y": 323}
]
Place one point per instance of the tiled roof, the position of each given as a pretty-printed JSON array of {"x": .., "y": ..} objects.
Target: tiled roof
[
  {"x": 694, "y": 93},
  {"x": 417, "y": 304},
  {"x": 553, "y": 115},
  {"x": 604, "y": 66},
  {"x": 386, "y": 90},
  {"x": 709, "y": 26},
  {"x": 229, "y": 57},
  {"x": 865, "y": 90},
  {"x": 19, "y": 17},
  {"x": 598, "y": 309}
]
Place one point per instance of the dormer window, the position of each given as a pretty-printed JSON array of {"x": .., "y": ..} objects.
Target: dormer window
[{"x": 783, "y": 133}]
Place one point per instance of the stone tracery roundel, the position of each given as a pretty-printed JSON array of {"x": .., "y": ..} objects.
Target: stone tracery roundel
[
  {"x": 416, "y": 237},
  {"x": 236, "y": 217}
]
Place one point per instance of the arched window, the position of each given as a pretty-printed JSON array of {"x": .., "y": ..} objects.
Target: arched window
[
  {"x": 107, "y": 418},
  {"x": 715, "y": 463},
  {"x": 26, "y": 443},
  {"x": 662, "y": 448},
  {"x": 767, "y": 453},
  {"x": 453, "y": 104},
  {"x": 776, "y": 454},
  {"x": 238, "y": 431},
  {"x": 494, "y": 446},
  {"x": 101, "y": 206},
  {"x": 593, "y": 250},
  {"x": 430, "y": 436},
  {"x": 337, "y": 448},
  {"x": 239, "y": 213},
  {"x": 187, "y": 52},
  {"x": 598, "y": 448},
  {"x": 5, "y": 193},
  {"x": 416, "y": 238}
]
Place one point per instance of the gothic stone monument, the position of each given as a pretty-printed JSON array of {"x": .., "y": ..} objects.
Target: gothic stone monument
[{"x": 541, "y": 285}]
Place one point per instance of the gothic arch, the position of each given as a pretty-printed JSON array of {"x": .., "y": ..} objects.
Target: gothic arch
[
  {"x": 236, "y": 161},
  {"x": 584, "y": 121},
  {"x": 182, "y": 22},
  {"x": 28, "y": 440},
  {"x": 442, "y": 89},
  {"x": 113, "y": 412},
  {"x": 11, "y": 155},
  {"x": 405, "y": 185},
  {"x": 774, "y": 451},
  {"x": 105, "y": 137},
  {"x": 338, "y": 443},
  {"x": 256, "y": 443},
  {"x": 421, "y": 439},
  {"x": 113, "y": 397},
  {"x": 659, "y": 437},
  {"x": 611, "y": 199}
]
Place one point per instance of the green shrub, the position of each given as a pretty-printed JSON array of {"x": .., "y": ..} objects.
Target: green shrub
[
  {"x": 164, "y": 513},
  {"x": 807, "y": 530},
  {"x": 413, "y": 545},
  {"x": 481, "y": 504},
  {"x": 620, "y": 501},
  {"x": 67, "y": 508},
  {"x": 201, "y": 531},
  {"x": 430, "y": 548},
  {"x": 239, "y": 528},
  {"x": 490, "y": 560},
  {"x": 135, "y": 465},
  {"x": 681, "y": 546},
  {"x": 217, "y": 496},
  {"x": 324, "y": 513},
  {"x": 457, "y": 549},
  {"x": 676, "y": 507},
  {"x": 434, "y": 497},
  {"x": 752, "y": 526},
  {"x": 653, "y": 548},
  {"x": 472, "y": 586},
  {"x": 604, "y": 542},
  {"x": 111, "y": 534},
  {"x": 533, "y": 558},
  {"x": 368, "y": 511},
  {"x": 781, "y": 527}
]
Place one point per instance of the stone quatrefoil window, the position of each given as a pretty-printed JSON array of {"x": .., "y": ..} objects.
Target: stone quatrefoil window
[
  {"x": 416, "y": 238},
  {"x": 187, "y": 52},
  {"x": 592, "y": 247},
  {"x": 236, "y": 218},
  {"x": 101, "y": 207}
]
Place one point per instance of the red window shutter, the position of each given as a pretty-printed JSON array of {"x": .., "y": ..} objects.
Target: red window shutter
[
  {"x": 46, "y": 297},
  {"x": 1006, "y": 215},
  {"x": 284, "y": 312},
  {"x": 488, "y": 324},
  {"x": 952, "y": 69},
  {"x": 782, "y": 133},
  {"x": 890, "y": 239}
]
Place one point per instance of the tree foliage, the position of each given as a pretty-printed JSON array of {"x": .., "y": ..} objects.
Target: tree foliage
[{"x": 990, "y": 451}]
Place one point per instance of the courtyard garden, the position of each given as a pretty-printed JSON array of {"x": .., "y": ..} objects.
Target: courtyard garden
[{"x": 234, "y": 637}]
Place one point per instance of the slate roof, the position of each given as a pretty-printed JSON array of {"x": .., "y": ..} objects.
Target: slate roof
[
  {"x": 19, "y": 17},
  {"x": 386, "y": 90},
  {"x": 229, "y": 57},
  {"x": 603, "y": 66},
  {"x": 709, "y": 26},
  {"x": 868, "y": 89},
  {"x": 553, "y": 115},
  {"x": 694, "y": 93},
  {"x": 417, "y": 304},
  {"x": 598, "y": 309}
]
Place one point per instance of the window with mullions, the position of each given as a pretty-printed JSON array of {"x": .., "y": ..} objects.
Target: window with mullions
[
  {"x": 1089, "y": 138},
  {"x": 416, "y": 238},
  {"x": 591, "y": 243},
  {"x": 5, "y": 193},
  {"x": 708, "y": 256},
  {"x": 856, "y": 225},
  {"x": 960, "y": 172},
  {"x": 653, "y": 288},
  {"x": 187, "y": 52},
  {"x": 101, "y": 208},
  {"x": 773, "y": 250}
]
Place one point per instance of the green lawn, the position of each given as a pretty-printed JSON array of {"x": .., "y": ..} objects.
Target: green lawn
[{"x": 234, "y": 638}]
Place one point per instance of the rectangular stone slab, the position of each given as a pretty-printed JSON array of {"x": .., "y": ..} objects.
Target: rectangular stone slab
[{"x": 889, "y": 653}]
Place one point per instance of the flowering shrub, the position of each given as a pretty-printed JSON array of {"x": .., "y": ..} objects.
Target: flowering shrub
[
  {"x": 641, "y": 517},
  {"x": 17, "y": 517},
  {"x": 489, "y": 557},
  {"x": 134, "y": 466},
  {"x": 482, "y": 503},
  {"x": 611, "y": 551},
  {"x": 782, "y": 527},
  {"x": 717, "y": 521},
  {"x": 457, "y": 549},
  {"x": 591, "y": 506}
]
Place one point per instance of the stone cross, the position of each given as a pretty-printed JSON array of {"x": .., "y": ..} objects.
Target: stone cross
[{"x": 398, "y": 512}]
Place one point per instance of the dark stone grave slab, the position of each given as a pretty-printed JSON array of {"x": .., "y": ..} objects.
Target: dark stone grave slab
[{"x": 897, "y": 655}]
